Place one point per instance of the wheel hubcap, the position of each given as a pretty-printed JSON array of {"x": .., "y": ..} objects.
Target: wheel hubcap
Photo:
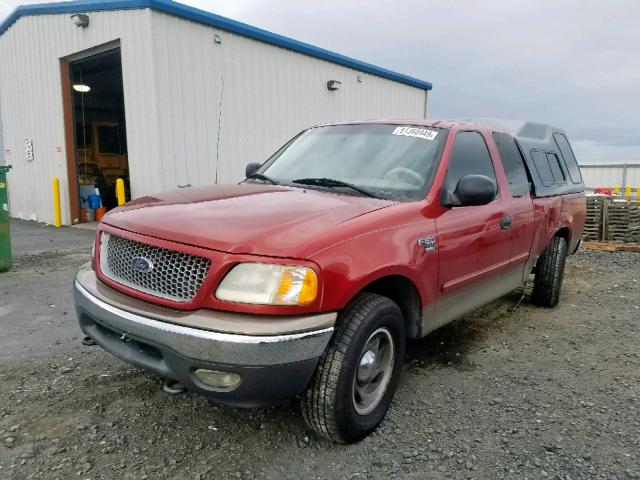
[
  {"x": 374, "y": 371},
  {"x": 367, "y": 365}
]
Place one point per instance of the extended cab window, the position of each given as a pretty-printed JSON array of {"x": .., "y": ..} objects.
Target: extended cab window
[
  {"x": 513, "y": 164},
  {"x": 470, "y": 156},
  {"x": 569, "y": 157}
]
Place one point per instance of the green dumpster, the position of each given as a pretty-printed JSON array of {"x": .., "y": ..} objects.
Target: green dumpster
[{"x": 5, "y": 236}]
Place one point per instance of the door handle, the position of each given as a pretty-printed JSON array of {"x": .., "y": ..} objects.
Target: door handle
[{"x": 505, "y": 222}]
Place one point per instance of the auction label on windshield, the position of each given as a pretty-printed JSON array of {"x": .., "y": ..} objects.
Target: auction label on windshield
[{"x": 415, "y": 132}]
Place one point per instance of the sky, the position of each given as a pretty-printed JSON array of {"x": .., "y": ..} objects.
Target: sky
[{"x": 574, "y": 64}]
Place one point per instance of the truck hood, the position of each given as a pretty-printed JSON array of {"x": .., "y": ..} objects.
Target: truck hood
[{"x": 245, "y": 218}]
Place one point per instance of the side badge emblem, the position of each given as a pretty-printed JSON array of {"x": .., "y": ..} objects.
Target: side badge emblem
[{"x": 428, "y": 243}]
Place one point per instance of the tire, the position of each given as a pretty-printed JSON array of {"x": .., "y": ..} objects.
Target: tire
[
  {"x": 337, "y": 403},
  {"x": 549, "y": 273}
]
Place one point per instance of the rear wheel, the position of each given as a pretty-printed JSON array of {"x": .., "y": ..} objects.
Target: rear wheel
[
  {"x": 549, "y": 273},
  {"x": 358, "y": 373}
]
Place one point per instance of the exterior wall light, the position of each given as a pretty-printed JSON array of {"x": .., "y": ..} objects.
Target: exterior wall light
[
  {"x": 80, "y": 20},
  {"x": 82, "y": 88},
  {"x": 334, "y": 85}
]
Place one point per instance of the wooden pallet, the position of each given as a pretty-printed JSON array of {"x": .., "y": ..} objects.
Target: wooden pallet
[
  {"x": 593, "y": 226},
  {"x": 612, "y": 219},
  {"x": 623, "y": 220}
]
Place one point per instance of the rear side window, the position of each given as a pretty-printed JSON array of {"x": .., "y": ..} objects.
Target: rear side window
[
  {"x": 556, "y": 169},
  {"x": 470, "y": 156},
  {"x": 542, "y": 166},
  {"x": 513, "y": 164},
  {"x": 569, "y": 157}
]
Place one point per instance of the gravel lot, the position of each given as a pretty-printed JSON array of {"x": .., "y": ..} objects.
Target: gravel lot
[{"x": 511, "y": 391}]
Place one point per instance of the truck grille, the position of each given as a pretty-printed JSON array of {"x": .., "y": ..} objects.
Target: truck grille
[{"x": 158, "y": 271}]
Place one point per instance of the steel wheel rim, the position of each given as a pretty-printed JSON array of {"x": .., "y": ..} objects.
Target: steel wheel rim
[{"x": 373, "y": 371}]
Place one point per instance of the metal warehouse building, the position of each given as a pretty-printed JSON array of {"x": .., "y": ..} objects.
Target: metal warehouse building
[{"x": 163, "y": 95}]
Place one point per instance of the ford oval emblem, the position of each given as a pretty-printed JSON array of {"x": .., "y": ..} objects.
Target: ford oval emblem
[{"x": 141, "y": 264}]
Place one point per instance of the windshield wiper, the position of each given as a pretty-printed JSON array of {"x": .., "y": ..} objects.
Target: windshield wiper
[
  {"x": 333, "y": 183},
  {"x": 260, "y": 176}
]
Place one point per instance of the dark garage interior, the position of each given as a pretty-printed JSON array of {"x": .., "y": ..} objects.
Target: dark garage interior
[{"x": 99, "y": 129}]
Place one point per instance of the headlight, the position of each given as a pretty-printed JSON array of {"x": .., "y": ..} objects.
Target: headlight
[{"x": 269, "y": 284}]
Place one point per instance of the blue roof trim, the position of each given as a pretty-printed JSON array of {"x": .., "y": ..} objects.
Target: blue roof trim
[{"x": 217, "y": 21}]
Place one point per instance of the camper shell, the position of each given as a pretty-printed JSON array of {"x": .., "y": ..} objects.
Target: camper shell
[{"x": 548, "y": 156}]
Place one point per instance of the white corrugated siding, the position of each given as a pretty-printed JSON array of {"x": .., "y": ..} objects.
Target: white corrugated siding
[
  {"x": 270, "y": 94},
  {"x": 173, "y": 73},
  {"x": 32, "y": 100},
  {"x": 611, "y": 175}
]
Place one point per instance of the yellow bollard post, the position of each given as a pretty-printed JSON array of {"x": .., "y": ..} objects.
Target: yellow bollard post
[
  {"x": 120, "y": 191},
  {"x": 57, "y": 216},
  {"x": 616, "y": 189},
  {"x": 638, "y": 191},
  {"x": 627, "y": 191}
]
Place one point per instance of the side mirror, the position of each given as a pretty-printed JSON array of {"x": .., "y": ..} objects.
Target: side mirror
[
  {"x": 251, "y": 168},
  {"x": 471, "y": 190}
]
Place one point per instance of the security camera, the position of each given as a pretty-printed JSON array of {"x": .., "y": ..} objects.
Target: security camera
[{"x": 80, "y": 20}]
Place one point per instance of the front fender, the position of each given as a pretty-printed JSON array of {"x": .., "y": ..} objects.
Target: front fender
[{"x": 350, "y": 266}]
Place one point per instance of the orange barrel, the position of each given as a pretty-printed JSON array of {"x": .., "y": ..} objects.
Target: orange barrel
[{"x": 100, "y": 213}]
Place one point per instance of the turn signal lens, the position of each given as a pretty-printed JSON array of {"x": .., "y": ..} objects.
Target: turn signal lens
[
  {"x": 269, "y": 284},
  {"x": 298, "y": 285}
]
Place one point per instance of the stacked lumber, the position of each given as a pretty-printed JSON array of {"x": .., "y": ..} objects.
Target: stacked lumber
[{"x": 612, "y": 247}]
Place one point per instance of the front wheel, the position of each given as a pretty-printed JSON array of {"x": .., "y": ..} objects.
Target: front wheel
[{"x": 359, "y": 371}]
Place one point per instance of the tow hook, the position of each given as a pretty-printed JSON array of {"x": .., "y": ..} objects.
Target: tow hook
[
  {"x": 88, "y": 341},
  {"x": 173, "y": 387}
]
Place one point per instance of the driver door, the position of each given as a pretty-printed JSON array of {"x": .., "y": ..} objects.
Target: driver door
[{"x": 474, "y": 242}]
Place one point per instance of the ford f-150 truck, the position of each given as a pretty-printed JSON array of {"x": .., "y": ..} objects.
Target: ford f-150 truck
[{"x": 308, "y": 277}]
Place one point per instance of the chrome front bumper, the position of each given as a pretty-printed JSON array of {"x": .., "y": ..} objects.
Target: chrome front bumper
[{"x": 273, "y": 367}]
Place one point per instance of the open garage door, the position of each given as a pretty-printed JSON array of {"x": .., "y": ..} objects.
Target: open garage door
[{"x": 99, "y": 134}]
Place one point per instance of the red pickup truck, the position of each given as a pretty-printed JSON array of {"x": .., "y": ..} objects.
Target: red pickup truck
[{"x": 308, "y": 277}]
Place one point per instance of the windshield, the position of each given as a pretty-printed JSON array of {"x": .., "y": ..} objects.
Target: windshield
[{"x": 386, "y": 161}]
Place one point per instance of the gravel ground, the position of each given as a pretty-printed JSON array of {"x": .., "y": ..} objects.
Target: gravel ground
[{"x": 511, "y": 391}]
